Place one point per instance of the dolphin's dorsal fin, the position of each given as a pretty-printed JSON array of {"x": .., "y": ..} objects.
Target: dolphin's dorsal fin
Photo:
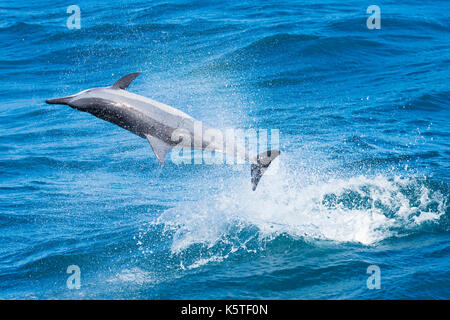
[
  {"x": 160, "y": 148},
  {"x": 124, "y": 82}
]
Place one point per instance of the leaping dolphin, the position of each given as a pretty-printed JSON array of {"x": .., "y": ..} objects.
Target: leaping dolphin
[{"x": 163, "y": 126}]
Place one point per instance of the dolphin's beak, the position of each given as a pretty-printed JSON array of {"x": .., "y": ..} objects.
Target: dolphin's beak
[{"x": 64, "y": 100}]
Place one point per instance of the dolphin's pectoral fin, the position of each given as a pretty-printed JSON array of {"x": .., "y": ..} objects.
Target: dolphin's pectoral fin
[
  {"x": 124, "y": 82},
  {"x": 160, "y": 148}
]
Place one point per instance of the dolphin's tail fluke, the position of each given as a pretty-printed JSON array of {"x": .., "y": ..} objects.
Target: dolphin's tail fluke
[{"x": 263, "y": 162}]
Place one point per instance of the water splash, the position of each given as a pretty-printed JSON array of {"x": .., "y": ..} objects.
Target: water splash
[{"x": 359, "y": 209}]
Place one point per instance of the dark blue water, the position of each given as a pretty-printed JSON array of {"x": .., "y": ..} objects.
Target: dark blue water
[{"x": 363, "y": 178}]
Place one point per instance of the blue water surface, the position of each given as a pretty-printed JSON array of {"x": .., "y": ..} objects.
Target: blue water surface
[{"x": 363, "y": 178}]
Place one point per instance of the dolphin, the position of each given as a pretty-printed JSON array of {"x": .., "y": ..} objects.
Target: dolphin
[{"x": 163, "y": 126}]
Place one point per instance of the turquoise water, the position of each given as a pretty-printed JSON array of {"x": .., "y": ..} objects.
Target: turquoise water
[{"x": 363, "y": 178}]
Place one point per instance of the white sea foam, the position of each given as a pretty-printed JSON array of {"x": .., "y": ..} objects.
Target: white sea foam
[{"x": 360, "y": 209}]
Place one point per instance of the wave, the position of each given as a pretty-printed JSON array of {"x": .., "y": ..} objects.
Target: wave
[
  {"x": 273, "y": 53},
  {"x": 22, "y": 27},
  {"x": 431, "y": 101},
  {"x": 361, "y": 210}
]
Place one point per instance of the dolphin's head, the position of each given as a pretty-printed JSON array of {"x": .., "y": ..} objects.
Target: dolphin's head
[{"x": 79, "y": 101}]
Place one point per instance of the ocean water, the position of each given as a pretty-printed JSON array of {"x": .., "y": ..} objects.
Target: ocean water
[{"x": 363, "y": 178}]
